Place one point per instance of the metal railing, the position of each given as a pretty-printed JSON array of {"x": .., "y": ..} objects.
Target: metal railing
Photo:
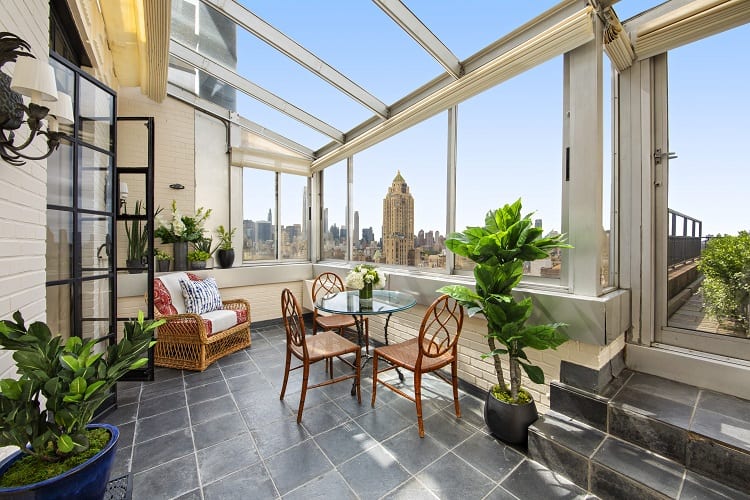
[{"x": 685, "y": 238}]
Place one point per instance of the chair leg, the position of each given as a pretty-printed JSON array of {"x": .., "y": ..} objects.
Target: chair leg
[
  {"x": 367, "y": 336},
  {"x": 305, "y": 375},
  {"x": 418, "y": 400},
  {"x": 286, "y": 372},
  {"x": 454, "y": 378},
  {"x": 374, "y": 379},
  {"x": 358, "y": 360}
]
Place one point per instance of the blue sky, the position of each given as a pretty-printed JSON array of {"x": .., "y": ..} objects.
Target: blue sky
[{"x": 509, "y": 142}]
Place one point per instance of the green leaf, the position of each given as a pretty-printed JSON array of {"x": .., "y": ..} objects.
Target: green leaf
[
  {"x": 92, "y": 388},
  {"x": 535, "y": 373},
  {"x": 78, "y": 385},
  {"x": 73, "y": 398},
  {"x": 70, "y": 361},
  {"x": 65, "y": 443},
  {"x": 139, "y": 363},
  {"x": 10, "y": 388}
]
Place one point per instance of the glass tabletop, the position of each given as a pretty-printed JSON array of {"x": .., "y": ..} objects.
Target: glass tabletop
[{"x": 383, "y": 302}]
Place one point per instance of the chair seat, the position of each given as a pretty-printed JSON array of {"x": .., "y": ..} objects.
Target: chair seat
[
  {"x": 404, "y": 354},
  {"x": 324, "y": 345},
  {"x": 335, "y": 321}
]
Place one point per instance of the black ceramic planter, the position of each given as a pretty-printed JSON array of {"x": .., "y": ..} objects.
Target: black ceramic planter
[
  {"x": 508, "y": 422},
  {"x": 225, "y": 258}
]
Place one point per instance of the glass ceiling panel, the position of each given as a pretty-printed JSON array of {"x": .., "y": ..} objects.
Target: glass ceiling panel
[
  {"x": 356, "y": 38},
  {"x": 626, "y": 9},
  {"x": 467, "y": 27}
]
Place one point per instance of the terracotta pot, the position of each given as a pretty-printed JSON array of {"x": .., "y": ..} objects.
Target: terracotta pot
[{"x": 508, "y": 422}]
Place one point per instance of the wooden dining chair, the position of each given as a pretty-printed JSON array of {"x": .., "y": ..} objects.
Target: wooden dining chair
[
  {"x": 436, "y": 346},
  {"x": 311, "y": 349},
  {"x": 327, "y": 283}
]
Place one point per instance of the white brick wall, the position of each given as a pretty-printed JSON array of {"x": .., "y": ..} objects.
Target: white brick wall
[{"x": 23, "y": 197}]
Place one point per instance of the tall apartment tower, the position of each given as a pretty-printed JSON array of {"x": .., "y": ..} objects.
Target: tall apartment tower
[
  {"x": 398, "y": 223},
  {"x": 355, "y": 235}
]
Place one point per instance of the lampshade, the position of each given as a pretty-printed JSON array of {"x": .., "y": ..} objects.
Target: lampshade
[
  {"x": 62, "y": 109},
  {"x": 123, "y": 190},
  {"x": 35, "y": 79}
]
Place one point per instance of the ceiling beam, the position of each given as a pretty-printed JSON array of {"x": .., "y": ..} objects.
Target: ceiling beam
[
  {"x": 232, "y": 78},
  {"x": 278, "y": 40},
  {"x": 416, "y": 29}
]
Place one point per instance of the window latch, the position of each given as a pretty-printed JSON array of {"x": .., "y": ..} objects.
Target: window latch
[{"x": 659, "y": 156}]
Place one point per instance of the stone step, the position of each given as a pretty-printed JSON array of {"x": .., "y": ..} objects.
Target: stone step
[
  {"x": 612, "y": 468},
  {"x": 705, "y": 431}
]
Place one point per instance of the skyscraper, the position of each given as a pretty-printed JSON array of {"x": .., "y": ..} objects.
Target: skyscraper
[
  {"x": 355, "y": 235},
  {"x": 398, "y": 223}
]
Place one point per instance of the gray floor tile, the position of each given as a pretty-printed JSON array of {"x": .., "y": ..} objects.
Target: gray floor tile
[
  {"x": 243, "y": 368},
  {"x": 122, "y": 415},
  {"x": 168, "y": 480},
  {"x": 191, "y": 495},
  {"x": 159, "y": 388},
  {"x": 266, "y": 410},
  {"x": 448, "y": 429},
  {"x": 489, "y": 455},
  {"x": 373, "y": 473},
  {"x": 329, "y": 486},
  {"x": 411, "y": 490},
  {"x": 323, "y": 418},
  {"x": 532, "y": 480},
  {"x": 345, "y": 441},
  {"x": 162, "y": 449},
  {"x": 250, "y": 382},
  {"x": 412, "y": 452},
  {"x": 226, "y": 457},
  {"x": 214, "y": 390},
  {"x": 297, "y": 465},
  {"x": 696, "y": 487},
  {"x": 451, "y": 477},
  {"x": 162, "y": 404},
  {"x": 278, "y": 435},
  {"x": 207, "y": 410},
  {"x": 252, "y": 482},
  {"x": 219, "y": 429},
  {"x": 159, "y": 425},
  {"x": 382, "y": 422},
  {"x": 208, "y": 376}
]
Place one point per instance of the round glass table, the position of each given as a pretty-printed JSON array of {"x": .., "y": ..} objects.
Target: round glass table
[{"x": 383, "y": 302}]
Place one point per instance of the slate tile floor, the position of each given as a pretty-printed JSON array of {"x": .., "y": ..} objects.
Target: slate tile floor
[{"x": 225, "y": 434}]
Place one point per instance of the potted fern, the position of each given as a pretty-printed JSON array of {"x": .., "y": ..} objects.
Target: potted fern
[
  {"x": 499, "y": 249},
  {"x": 225, "y": 253},
  {"x": 61, "y": 453}
]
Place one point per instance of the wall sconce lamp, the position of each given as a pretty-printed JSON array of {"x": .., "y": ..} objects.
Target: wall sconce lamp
[
  {"x": 123, "y": 195},
  {"x": 35, "y": 80},
  {"x": 176, "y": 186}
]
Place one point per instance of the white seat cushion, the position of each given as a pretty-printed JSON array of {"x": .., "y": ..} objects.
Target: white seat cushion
[{"x": 221, "y": 319}]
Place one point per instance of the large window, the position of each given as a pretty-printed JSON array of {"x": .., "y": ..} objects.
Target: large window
[
  {"x": 294, "y": 216},
  {"x": 399, "y": 198},
  {"x": 510, "y": 147},
  {"x": 333, "y": 217},
  {"x": 259, "y": 215}
]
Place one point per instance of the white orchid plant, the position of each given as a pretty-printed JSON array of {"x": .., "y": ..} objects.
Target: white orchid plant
[{"x": 365, "y": 273}]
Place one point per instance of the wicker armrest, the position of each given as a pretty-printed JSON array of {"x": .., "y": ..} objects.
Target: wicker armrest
[
  {"x": 184, "y": 326},
  {"x": 237, "y": 305}
]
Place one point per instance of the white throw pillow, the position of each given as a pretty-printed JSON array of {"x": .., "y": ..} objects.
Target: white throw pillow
[{"x": 201, "y": 296}]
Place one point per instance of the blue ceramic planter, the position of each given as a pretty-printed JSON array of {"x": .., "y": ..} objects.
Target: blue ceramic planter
[{"x": 88, "y": 481}]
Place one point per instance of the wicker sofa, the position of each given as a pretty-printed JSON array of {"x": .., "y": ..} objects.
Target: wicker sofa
[{"x": 193, "y": 341}]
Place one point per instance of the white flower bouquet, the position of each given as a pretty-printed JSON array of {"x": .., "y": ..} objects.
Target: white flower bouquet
[{"x": 365, "y": 273}]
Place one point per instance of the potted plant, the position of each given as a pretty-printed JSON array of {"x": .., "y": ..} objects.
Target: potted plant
[
  {"x": 198, "y": 258},
  {"x": 181, "y": 230},
  {"x": 162, "y": 260},
  {"x": 137, "y": 233},
  {"x": 225, "y": 253},
  {"x": 61, "y": 454},
  {"x": 499, "y": 249}
]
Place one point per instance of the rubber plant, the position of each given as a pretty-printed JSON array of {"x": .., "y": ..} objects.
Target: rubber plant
[
  {"x": 73, "y": 377},
  {"x": 499, "y": 249}
]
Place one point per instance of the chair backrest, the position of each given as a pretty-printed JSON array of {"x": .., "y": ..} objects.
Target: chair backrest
[
  {"x": 293, "y": 322},
  {"x": 441, "y": 327},
  {"x": 327, "y": 283},
  {"x": 168, "y": 297}
]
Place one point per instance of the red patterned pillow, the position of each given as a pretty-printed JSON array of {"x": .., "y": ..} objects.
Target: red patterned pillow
[
  {"x": 194, "y": 277},
  {"x": 241, "y": 315},
  {"x": 162, "y": 299}
]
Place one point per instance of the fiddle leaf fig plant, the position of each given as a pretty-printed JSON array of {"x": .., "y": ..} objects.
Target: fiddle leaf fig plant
[
  {"x": 499, "y": 249},
  {"x": 73, "y": 376}
]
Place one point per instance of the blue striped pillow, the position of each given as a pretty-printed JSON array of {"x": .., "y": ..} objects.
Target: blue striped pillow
[{"x": 201, "y": 296}]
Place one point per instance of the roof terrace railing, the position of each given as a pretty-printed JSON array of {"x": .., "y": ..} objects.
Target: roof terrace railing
[{"x": 684, "y": 244}]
